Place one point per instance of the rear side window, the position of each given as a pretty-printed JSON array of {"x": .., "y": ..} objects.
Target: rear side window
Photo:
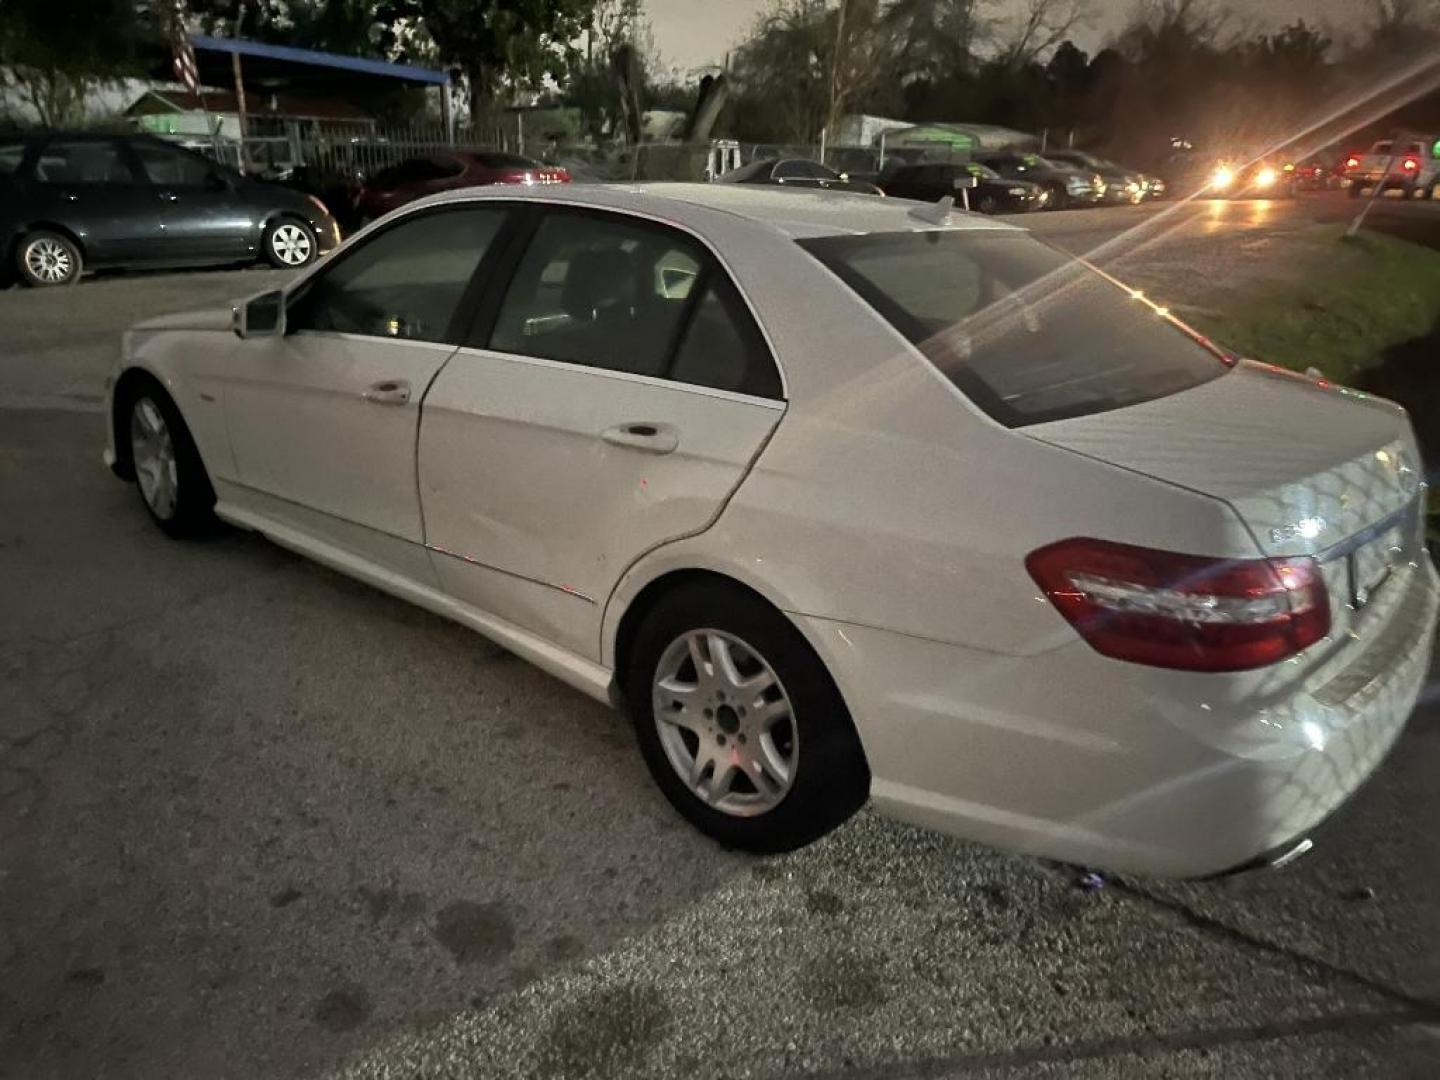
[
  {"x": 11, "y": 155},
  {"x": 722, "y": 346},
  {"x": 1026, "y": 332},
  {"x": 621, "y": 294},
  {"x": 87, "y": 161}
]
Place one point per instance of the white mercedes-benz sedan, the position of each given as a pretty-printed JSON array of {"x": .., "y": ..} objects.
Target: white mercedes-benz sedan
[{"x": 841, "y": 498}]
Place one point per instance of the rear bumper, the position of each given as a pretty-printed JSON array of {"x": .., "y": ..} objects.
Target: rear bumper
[{"x": 1075, "y": 757}]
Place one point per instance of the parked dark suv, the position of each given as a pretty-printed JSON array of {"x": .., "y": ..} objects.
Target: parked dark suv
[{"x": 71, "y": 202}]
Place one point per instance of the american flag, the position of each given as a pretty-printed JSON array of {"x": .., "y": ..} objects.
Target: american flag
[{"x": 187, "y": 71}]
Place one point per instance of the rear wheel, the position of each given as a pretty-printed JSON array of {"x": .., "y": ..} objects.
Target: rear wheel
[
  {"x": 987, "y": 204},
  {"x": 169, "y": 474},
  {"x": 740, "y": 723},
  {"x": 47, "y": 258}
]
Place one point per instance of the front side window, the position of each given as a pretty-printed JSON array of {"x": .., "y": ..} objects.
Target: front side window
[
  {"x": 617, "y": 293},
  {"x": 168, "y": 167},
  {"x": 82, "y": 161},
  {"x": 1026, "y": 332},
  {"x": 405, "y": 282}
]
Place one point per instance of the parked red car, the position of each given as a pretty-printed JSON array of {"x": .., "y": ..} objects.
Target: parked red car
[{"x": 410, "y": 179}]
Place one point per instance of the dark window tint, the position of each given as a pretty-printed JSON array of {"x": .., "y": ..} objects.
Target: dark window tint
[
  {"x": 169, "y": 167},
  {"x": 417, "y": 171},
  {"x": 1028, "y": 333},
  {"x": 800, "y": 169},
  {"x": 607, "y": 292},
  {"x": 11, "y": 154},
  {"x": 507, "y": 161},
  {"x": 405, "y": 282},
  {"x": 87, "y": 161},
  {"x": 755, "y": 172},
  {"x": 722, "y": 346}
]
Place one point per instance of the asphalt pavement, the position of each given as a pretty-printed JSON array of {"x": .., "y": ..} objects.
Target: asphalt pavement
[{"x": 257, "y": 820}]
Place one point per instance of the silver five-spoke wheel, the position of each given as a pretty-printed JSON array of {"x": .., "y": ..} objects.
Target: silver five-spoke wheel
[
  {"x": 291, "y": 244},
  {"x": 725, "y": 722},
  {"x": 153, "y": 452},
  {"x": 49, "y": 261}
]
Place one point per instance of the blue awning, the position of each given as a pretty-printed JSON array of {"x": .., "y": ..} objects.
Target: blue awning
[{"x": 276, "y": 58}]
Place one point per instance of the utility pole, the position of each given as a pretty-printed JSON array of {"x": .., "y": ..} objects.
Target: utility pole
[
  {"x": 240, "y": 87},
  {"x": 830, "y": 113}
]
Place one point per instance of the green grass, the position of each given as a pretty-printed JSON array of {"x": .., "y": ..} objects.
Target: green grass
[{"x": 1344, "y": 304}]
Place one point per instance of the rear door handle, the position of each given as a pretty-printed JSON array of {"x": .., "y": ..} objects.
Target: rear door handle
[
  {"x": 389, "y": 392},
  {"x": 648, "y": 437}
]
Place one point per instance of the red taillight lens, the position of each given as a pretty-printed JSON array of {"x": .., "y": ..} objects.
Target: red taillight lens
[
  {"x": 1352, "y": 163},
  {"x": 1184, "y": 611},
  {"x": 1411, "y": 164}
]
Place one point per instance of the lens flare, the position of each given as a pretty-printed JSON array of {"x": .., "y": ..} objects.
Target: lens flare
[
  {"x": 1222, "y": 178},
  {"x": 1265, "y": 177}
]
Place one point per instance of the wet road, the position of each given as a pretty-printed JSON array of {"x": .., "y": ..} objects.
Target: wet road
[{"x": 259, "y": 820}]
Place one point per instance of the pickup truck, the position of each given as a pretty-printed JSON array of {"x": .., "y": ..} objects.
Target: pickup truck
[{"x": 1410, "y": 164}]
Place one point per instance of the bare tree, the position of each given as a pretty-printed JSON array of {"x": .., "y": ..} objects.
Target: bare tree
[{"x": 1042, "y": 25}]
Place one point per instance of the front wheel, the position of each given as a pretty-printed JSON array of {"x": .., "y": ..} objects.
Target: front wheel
[
  {"x": 169, "y": 474},
  {"x": 740, "y": 723},
  {"x": 46, "y": 258},
  {"x": 987, "y": 204},
  {"x": 290, "y": 244}
]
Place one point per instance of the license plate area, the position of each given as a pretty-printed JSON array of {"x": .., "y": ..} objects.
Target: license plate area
[{"x": 1371, "y": 565}]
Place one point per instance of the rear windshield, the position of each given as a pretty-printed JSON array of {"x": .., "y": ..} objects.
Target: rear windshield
[
  {"x": 1026, "y": 332},
  {"x": 506, "y": 161}
]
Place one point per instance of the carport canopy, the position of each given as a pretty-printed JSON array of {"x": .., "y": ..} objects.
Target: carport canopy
[{"x": 302, "y": 71}]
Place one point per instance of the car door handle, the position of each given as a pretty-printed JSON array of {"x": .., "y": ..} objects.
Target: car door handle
[
  {"x": 169, "y": 196},
  {"x": 70, "y": 196},
  {"x": 651, "y": 438},
  {"x": 389, "y": 392}
]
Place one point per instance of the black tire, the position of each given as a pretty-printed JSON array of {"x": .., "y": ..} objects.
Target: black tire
[
  {"x": 280, "y": 240},
  {"x": 987, "y": 204},
  {"x": 192, "y": 510},
  {"x": 46, "y": 259},
  {"x": 1059, "y": 198},
  {"x": 830, "y": 777}
]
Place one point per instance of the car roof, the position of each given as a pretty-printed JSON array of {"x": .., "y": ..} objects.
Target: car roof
[{"x": 799, "y": 214}]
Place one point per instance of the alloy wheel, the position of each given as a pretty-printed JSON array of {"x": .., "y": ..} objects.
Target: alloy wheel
[
  {"x": 291, "y": 244},
  {"x": 153, "y": 452},
  {"x": 725, "y": 722},
  {"x": 49, "y": 260}
]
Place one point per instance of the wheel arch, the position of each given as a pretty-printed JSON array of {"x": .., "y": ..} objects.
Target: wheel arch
[
  {"x": 28, "y": 228},
  {"x": 637, "y": 597}
]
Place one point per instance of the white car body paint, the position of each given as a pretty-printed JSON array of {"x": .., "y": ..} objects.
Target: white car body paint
[{"x": 885, "y": 514}]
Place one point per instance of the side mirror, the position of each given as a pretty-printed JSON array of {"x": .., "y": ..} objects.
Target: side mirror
[
  {"x": 966, "y": 181},
  {"x": 260, "y": 316}
]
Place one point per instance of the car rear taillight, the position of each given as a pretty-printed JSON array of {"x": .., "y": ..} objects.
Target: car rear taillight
[
  {"x": 1185, "y": 612},
  {"x": 1352, "y": 162},
  {"x": 1411, "y": 164}
]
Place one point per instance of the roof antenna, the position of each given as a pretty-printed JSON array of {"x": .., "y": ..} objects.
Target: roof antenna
[{"x": 936, "y": 213}]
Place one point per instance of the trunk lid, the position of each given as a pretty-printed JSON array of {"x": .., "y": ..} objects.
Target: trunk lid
[
  {"x": 1307, "y": 465},
  {"x": 1311, "y": 468}
]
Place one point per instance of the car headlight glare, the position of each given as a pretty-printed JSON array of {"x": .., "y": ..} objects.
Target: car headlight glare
[
  {"x": 1265, "y": 177},
  {"x": 1222, "y": 177}
]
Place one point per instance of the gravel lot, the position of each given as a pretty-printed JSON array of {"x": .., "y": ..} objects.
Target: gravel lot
[{"x": 257, "y": 820}]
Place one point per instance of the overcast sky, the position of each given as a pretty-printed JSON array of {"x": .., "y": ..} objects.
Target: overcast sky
[{"x": 694, "y": 33}]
